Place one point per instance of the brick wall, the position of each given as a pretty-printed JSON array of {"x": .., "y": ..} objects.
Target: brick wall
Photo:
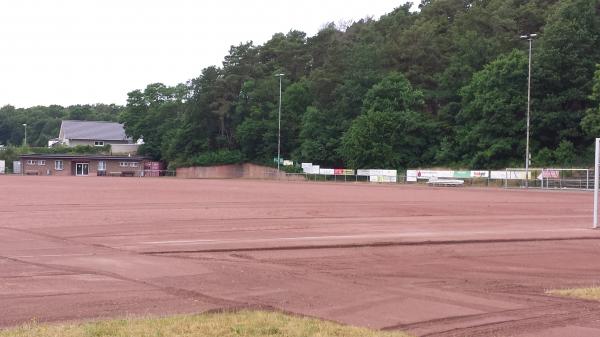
[
  {"x": 69, "y": 167},
  {"x": 245, "y": 171},
  {"x": 47, "y": 169}
]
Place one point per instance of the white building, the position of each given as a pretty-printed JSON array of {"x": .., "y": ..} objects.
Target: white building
[{"x": 95, "y": 133}]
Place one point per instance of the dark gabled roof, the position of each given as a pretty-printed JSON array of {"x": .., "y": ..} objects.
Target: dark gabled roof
[
  {"x": 81, "y": 156},
  {"x": 92, "y": 130}
]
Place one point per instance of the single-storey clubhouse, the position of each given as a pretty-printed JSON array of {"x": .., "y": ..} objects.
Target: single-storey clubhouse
[{"x": 82, "y": 165}]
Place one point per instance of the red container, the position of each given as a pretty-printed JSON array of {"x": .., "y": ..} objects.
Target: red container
[{"x": 152, "y": 168}]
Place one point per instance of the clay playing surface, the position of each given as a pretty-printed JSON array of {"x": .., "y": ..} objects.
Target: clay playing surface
[{"x": 430, "y": 261}]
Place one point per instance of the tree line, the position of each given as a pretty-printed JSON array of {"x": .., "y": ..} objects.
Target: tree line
[
  {"x": 43, "y": 122},
  {"x": 444, "y": 86}
]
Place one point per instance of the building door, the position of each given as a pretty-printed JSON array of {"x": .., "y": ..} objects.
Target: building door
[{"x": 81, "y": 169}]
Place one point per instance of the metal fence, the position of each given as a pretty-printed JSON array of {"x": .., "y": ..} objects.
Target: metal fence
[
  {"x": 138, "y": 173},
  {"x": 400, "y": 179},
  {"x": 580, "y": 179},
  {"x": 306, "y": 177}
]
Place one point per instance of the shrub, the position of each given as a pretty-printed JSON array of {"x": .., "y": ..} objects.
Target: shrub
[{"x": 221, "y": 157}]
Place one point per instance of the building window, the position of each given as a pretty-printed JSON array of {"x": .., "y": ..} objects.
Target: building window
[
  {"x": 133, "y": 164},
  {"x": 124, "y": 164},
  {"x": 98, "y": 143},
  {"x": 32, "y": 162},
  {"x": 58, "y": 165},
  {"x": 41, "y": 162},
  {"x": 102, "y": 165}
]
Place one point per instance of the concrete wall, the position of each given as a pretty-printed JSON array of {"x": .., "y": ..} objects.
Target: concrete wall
[{"x": 245, "y": 171}]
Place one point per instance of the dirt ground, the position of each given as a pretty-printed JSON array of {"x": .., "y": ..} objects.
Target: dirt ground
[{"x": 430, "y": 261}]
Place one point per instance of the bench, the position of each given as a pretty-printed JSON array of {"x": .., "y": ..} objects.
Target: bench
[
  {"x": 445, "y": 182},
  {"x": 122, "y": 174},
  {"x": 32, "y": 173}
]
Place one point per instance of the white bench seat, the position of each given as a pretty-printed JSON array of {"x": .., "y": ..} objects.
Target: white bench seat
[{"x": 445, "y": 182}]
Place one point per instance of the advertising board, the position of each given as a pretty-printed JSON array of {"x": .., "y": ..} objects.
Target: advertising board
[
  {"x": 343, "y": 172},
  {"x": 326, "y": 171},
  {"x": 363, "y": 173},
  {"x": 383, "y": 179},
  {"x": 480, "y": 174},
  {"x": 509, "y": 175},
  {"x": 414, "y": 175}
]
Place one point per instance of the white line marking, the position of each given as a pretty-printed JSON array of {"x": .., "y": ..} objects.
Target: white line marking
[
  {"x": 358, "y": 236},
  {"x": 176, "y": 241},
  {"x": 49, "y": 255}
]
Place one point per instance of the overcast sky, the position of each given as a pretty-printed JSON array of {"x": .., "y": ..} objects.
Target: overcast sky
[{"x": 95, "y": 51}]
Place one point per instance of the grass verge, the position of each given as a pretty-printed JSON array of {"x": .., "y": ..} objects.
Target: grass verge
[
  {"x": 592, "y": 293},
  {"x": 243, "y": 323}
]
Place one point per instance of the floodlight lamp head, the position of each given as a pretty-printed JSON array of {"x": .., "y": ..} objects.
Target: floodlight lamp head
[
  {"x": 528, "y": 36},
  {"x": 279, "y": 75}
]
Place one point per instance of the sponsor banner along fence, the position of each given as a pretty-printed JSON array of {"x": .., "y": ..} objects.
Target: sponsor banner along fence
[
  {"x": 379, "y": 176},
  {"x": 549, "y": 174},
  {"x": 480, "y": 174},
  {"x": 309, "y": 168},
  {"x": 377, "y": 172},
  {"x": 374, "y": 175},
  {"x": 363, "y": 173},
  {"x": 343, "y": 172},
  {"x": 2, "y": 166},
  {"x": 414, "y": 175},
  {"x": 508, "y": 175},
  {"x": 383, "y": 179},
  {"x": 326, "y": 171}
]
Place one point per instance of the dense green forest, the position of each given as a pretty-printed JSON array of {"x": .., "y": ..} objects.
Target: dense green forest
[
  {"x": 442, "y": 86},
  {"x": 43, "y": 123}
]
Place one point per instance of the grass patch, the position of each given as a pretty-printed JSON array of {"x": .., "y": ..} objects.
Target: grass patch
[
  {"x": 243, "y": 323},
  {"x": 592, "y": 293}
]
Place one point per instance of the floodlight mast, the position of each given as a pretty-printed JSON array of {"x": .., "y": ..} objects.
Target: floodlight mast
[
  {"x": 596, "y": 173},
  {"x": 279, "y": 122},
  {"x": 530, "y": 38},
  {"x": 25, "y": 139}
]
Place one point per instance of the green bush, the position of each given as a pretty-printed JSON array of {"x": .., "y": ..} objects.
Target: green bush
[
  {"x": 221, "y": 157},
  {"x": 79, "y": 149},
  {"x": 292, "y": 169}
]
